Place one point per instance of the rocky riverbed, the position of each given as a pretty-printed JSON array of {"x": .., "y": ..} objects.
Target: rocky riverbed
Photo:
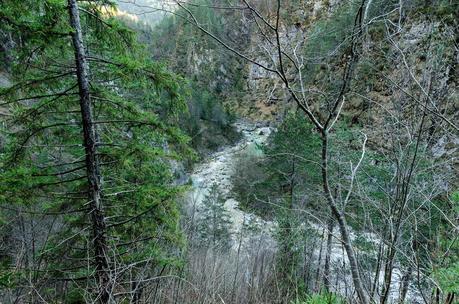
[{"x": 217, "y": 169}]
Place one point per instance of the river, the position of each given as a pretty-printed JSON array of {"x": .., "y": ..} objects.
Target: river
[{"x": 217, "y": 169}]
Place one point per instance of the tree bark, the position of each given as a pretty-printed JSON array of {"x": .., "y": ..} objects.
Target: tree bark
[
  {"x": 374, "y": 285},
  {"x": 91, "y": 160},
  {"x": 340, "y": 218},
  {"x": 404, "y": 284},
  {"x": 450, "y": 298},
  {"x": 388, "y": 268}
]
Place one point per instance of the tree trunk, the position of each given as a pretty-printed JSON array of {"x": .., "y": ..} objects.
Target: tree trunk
[
  {"x": 374, "y": 286},
  {"x": 92, "y": 164},
  {"x": 450, "y": 298},
  {"x": 404, "y": 284},
  {"x": 340, "y": 218},
  {"x": 388, "y": 267}
]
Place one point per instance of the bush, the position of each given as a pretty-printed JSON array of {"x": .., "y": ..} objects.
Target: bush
[{"x": 322, "y": 298}]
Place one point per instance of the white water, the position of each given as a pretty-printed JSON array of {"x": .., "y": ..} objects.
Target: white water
[{"x": 218, "y": 168}]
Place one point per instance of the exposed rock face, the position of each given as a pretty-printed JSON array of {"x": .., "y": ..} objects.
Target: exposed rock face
[{"x": 407, "y": 61}]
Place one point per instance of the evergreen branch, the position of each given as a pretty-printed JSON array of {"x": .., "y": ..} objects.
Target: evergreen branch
[
  {"x": 41, "y": 185},
  {"x": 2, "y": 206},
  {"x": 135, "y": 217},
  {"x": 17, "y": 87},
  {"x": 62, "y": 172}
]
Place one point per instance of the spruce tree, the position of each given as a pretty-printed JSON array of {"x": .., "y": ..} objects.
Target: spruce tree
[
  {"x": 94, "y": 194},
  {"x": 291, "y": 169},
  {"x": 214, "y": 223}
]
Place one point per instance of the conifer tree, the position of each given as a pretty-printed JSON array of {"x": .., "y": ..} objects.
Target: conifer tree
[
  {"x": 291, "y": 169},
  {"x": 86, "y": 165},
  {"x": 214, "y": 224}
]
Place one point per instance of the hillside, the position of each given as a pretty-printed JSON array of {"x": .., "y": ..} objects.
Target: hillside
[{"x": 215, "y": 151}]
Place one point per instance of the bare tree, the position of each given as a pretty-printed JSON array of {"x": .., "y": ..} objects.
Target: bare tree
[
  {"x": 280, "y": 67},
  {"x": 282, "y": 58}
]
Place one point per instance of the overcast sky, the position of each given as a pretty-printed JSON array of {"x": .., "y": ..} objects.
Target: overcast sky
[{"x": 146, "y": 10}]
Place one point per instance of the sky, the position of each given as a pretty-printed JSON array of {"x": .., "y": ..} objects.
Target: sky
[{"x": 149, "y": 11}]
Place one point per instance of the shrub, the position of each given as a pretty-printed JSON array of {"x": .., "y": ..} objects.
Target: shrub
[{"x": 322, "y": 298}]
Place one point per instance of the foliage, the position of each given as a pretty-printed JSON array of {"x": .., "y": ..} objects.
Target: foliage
[
  {"x": 321, "y": 298},
  {"x": 329, "y": 34},
  {"x": 247, "y": 180},
  {"x": 147, "y": 117},
  {"x": 207, "y": 121},
  {"x": 328, "y": 39},
  {"x": 213, "y": 77},
  {"x": 136, "y": 104},
  {"x": 214, "y": 222},
  {"x": 290, "y": 239},
  {"x": 448, "y": 278},
  {"x": 290, "y": 164},
  {"x": 443, "y": 10},
  {"x": 285, "y": 178},
  {"x": 447, "y": 275}
]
